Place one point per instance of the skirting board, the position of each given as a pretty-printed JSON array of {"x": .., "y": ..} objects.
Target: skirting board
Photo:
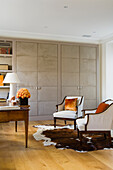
[{"x": 35, "y": 118}]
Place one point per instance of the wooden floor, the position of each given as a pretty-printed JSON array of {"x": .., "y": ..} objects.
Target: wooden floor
[{"x": 14, "y": 156}]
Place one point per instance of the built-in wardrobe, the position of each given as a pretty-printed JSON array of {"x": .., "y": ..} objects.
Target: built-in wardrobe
[{"x": 52, "y": 70}]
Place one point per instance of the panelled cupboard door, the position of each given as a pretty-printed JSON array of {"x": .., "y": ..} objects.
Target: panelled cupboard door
[
  {"x": 79, "y": 72},
  {"x": 27, "y": 63},
  {"x": 70, "y": 69},
  {"x": 37, "y": 71},
  {"x": 88, "y": 75},
  {"x": 47, "y": 78}
]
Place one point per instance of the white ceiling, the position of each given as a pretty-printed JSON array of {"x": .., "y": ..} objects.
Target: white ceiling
[{"x": 66, "y": 20}]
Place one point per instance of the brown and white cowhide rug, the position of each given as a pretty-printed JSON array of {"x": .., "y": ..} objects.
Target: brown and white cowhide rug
[{"x": 66, "y": 138}]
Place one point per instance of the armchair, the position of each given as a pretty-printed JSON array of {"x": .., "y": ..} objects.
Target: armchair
[
  {"x": 69, "y": 114},
  {"x": 92, "y": 122}
]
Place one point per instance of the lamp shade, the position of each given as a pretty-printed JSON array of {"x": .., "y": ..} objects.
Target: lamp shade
[{"x": 11, "y": 78}]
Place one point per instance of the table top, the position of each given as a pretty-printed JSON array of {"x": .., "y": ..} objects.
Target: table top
[{"x": 22, "y": 107}]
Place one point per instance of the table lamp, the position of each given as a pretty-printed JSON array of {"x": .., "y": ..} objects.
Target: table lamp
[{"x": 13, "y": 79}]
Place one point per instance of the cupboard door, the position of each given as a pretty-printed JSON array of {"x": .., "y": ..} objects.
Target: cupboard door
[
  {"x": 47, "y": 78},
  {"x": 70, "y": 70},
  {"x": 27, "y": 71},
  {"x": 88, "y": 72}
]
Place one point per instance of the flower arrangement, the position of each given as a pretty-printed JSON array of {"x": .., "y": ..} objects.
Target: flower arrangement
[{"x": 23, "y": 93}]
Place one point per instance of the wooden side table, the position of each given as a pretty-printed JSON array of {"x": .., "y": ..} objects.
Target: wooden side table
[
  {"x": 21, "y": 114},
  {"x": 21, "y": 106}
]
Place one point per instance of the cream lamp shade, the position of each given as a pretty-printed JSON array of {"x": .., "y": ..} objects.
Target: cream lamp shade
[{"x": 11, "y": 78}]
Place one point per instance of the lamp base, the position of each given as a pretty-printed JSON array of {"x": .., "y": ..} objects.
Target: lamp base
[{"x": 11, "y": 92}]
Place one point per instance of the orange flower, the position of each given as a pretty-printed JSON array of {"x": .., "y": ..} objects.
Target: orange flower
[{"x": 23, "y": 92}]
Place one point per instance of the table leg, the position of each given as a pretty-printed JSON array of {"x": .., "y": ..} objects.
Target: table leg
[
  {"x": 26, "y": 131},
  {"x": 15, "y": 126}
]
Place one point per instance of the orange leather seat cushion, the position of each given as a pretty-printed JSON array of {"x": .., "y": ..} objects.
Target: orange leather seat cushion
[
  {"x": 71, "y": 104},
  {"x": 102, "y": 107}
]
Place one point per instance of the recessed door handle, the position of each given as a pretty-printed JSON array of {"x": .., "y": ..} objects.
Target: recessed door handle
[
  {"x": 39, "y": 88},
  {"x": 79, "y": 87}
]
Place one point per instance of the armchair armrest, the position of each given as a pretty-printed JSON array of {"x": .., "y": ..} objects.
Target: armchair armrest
[
  {"x": 82, "y": 123},
  {"x": 59, "y": 107},
  {"x": 88, "y": 111},
  {"x": 79, "y": 111}
]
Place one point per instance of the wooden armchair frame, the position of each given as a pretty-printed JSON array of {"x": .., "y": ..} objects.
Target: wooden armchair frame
[
  {"x": 105, "y": 132},
  {"x": 59, "y": 107}
]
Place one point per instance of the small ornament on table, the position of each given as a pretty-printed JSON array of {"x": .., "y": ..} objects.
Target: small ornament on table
[
  {"x": 23, "y": 95},
  {"x": 12, "y": 101}
]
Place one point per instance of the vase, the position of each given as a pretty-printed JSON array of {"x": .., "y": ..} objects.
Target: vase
[{"x": 23, "y": 101}]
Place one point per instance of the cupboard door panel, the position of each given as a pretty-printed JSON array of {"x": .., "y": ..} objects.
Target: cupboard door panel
[
  {"x": 26, "y": 49},
  {"x": 33, "y": 108},
  {"x": 87, "y": 65},
  {"x": 88, "y": 75},
  {"x": 47, "y": 78},
  {"x": 70, "y": 51},
  {"x": 90, "y": 104},
  {"x": 88, "y": 79},
  {"x": 47, "y": 94},
  {"x": 69, "y": 91},
  {"x": 46, "y": 108},
  {"x": 87, "y": 52},
  {"x": 89, "y": 92},
  {"x": 47, "y": 64},
  {"x": 28, "y": 78},
  {"x": 27, "y": 63},
  {"x": 70, "y": 70},
  {"x": 70, "y": 65},
  {"x": 70, "y": 79},
  {"x": 27, "y": 71},
  {"x": 47, "y": 50}
]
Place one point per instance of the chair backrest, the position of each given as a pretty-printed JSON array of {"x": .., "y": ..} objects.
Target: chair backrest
[
  {"x": 109, "y": 101},
  {"x": 73, "y": 97},
  {"x": 80, "y": 102},
  {"x": 101, "y": 121}
]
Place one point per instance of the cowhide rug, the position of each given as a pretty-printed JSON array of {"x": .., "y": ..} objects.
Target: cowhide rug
[{"x": 66, "y": 138}]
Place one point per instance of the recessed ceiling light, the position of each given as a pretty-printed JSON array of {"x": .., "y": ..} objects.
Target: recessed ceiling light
[
  {"x": 65, "y": 6},
  {"x": 45, "y": 26},
  {"x": 86, "y": 36}
]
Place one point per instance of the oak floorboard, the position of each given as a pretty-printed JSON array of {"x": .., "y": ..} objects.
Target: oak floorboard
[
  {"x": 14, "y": 155},
  {"x": 104, "y": 156}
]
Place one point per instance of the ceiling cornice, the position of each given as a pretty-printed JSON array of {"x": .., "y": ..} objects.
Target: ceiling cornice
[
  {"x": 29, "y": 35},
  {"x": 106, "y": 39}
]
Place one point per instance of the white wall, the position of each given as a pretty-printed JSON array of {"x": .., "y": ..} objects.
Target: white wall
[
  {"x": 102, "y": 72},
  {"x": 109, "y": 70}
]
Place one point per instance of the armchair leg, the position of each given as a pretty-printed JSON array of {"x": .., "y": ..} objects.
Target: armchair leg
[
  {"x": 65, "y": 122},
  {"x": 80, "y": 137},
  {"x": 77, "y": 133},
  {"x": 54, "y": 122},
  {"x": 109, "y": 135},
  {"x": 74, "y": 124}
]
